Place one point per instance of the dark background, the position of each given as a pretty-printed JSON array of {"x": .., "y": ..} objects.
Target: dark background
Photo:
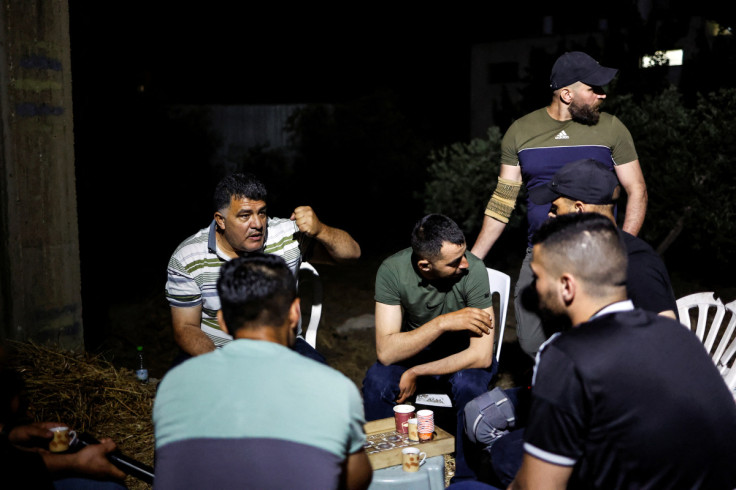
[{"x": 143, "y": 180}]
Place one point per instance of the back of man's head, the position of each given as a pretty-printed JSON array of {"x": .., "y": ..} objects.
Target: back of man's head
[
  {"x": 255, "y": 291},
  {"x": 431, "y": 232},
  {"x": 238, "y": 185},
  {"x": 588, "y": 246}
]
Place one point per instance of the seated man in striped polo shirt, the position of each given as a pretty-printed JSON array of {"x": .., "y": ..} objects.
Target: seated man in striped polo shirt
[{"x": 241, "y": 225}]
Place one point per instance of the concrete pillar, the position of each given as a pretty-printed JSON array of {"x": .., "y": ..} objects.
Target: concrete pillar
[{"x": 40, "y": 288}]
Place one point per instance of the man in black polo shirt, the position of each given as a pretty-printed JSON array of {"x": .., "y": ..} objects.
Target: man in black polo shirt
[{"x": 626, "y": 398}]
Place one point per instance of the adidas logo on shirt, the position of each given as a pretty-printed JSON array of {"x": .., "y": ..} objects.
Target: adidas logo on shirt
[{"x": 562, "y": 135}]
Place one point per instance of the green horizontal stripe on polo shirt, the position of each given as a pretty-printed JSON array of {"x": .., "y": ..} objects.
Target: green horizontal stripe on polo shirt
[
  {"x": 203, "y": 263},
  {"x": 280, "y": 245}
]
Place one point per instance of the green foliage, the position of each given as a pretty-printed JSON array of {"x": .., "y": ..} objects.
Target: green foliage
[
  {"x": 461, "y": 179},
  {"x": 688, "y": 158}
]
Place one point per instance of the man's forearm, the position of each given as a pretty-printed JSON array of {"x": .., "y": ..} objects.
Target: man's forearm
[
  {"x": 338, "y": 243},
  {"x": 193, "y": 340},
  {"x": 489, "y": 233},
  {"x": 399, "y": 346},
  {"x": 636, "y": 210},
  {"x": 467, "y": 359}
]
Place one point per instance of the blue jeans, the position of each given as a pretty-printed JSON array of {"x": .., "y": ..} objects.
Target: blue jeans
[
  {"x": 381, "y": 389},
  {"x": 79, "y": 483},
  {"x": 508, "y": 451}
]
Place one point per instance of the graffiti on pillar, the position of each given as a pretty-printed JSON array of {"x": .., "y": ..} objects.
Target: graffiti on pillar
[
  {"x": 40, "y": 62},
  {"x": 37, "y": 82}
]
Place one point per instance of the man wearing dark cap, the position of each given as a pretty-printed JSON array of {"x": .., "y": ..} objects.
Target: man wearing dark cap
[
  {"x": 589, "y": 186},
  {"x": 570, "y": 128}
]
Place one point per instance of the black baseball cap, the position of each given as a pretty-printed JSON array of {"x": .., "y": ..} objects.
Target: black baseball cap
[
  {"x": 587, "y": 180},
  {"x": 576, "y": 66}
]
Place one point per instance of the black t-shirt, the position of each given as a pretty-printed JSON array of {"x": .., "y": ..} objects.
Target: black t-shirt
[
  {"x": 648, "y": 285},
  {"x": 633, "y": 400}
]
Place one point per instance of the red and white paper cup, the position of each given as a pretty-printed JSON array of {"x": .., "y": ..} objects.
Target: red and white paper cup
[{"x": 425, "y": 424}]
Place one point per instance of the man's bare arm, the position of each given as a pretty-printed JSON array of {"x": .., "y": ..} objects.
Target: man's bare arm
[
  {"x": 338, "y": 244},
  {"x": 187, "y": 331},
  {"x": 492, "y": 228},
  {"x": 357, "y": 473},
  {"x": 393, "y": 345},
  {"x": 668, "y": 314},
  {"x": 632, "y": 180},
  {"x": 479, "y": 354},
  {"x": 536, "y": 474}
]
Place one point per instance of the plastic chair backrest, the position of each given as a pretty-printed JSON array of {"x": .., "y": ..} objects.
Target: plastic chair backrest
[
  {"x": 717, "y": 337},
  {"x": 500, "y": 283},
  {"x": 316, "y": 313}
]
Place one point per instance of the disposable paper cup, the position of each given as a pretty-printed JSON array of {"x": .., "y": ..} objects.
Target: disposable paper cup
[
  {"x": 412, "y": 430},
  {"x": 425, "y": 424}
]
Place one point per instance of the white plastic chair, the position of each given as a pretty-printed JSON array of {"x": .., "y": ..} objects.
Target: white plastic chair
[
  {"x": 500, "y": 283},
  {"x": 311, "y": 331},
  {"x": 718, "y": 338}
]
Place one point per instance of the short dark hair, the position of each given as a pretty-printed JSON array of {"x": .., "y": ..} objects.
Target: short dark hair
[
  {"x": 255, "y": 290},
  {"x": 239, "y": 185},
  {"x": 589, "y": 245},
  {"x": 431, "y": 232}
]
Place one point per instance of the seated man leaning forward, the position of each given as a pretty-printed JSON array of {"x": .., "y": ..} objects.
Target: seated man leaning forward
[
  {"x": 434, "y": 321},
  {"x": 241, "y": 225},
  {"x": 627, "y": 398},
  {"x": 255, "y": 414}
]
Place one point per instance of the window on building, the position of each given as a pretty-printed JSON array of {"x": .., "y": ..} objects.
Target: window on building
[{"x": 672, "y": 57}]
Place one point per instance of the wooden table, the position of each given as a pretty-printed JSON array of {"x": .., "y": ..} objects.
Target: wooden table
[{"x": 384, "y": 443}]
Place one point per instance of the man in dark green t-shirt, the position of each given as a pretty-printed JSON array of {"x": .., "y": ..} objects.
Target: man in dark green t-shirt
[{"x": 434, "y": 321}]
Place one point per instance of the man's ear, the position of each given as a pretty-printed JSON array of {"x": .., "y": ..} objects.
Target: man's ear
[
  {"x": 295, "y": 313},
  {"x": 221, "y": 322},
  {"x": 424, "y": 265},
  {"x": 219, "y": 220},
  {"x": 566, "y": 95},
  {"x": 568, "y": 288},
  {"x": 579, "y": 206}
]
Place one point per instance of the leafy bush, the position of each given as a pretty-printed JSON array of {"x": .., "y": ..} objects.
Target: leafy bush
[
  {"x": 688, "y": 156},
  {"x": 461, "y": 179}
]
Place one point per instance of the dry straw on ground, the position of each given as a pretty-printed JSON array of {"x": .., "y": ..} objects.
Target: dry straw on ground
[{"x": 90, "y": 395}]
